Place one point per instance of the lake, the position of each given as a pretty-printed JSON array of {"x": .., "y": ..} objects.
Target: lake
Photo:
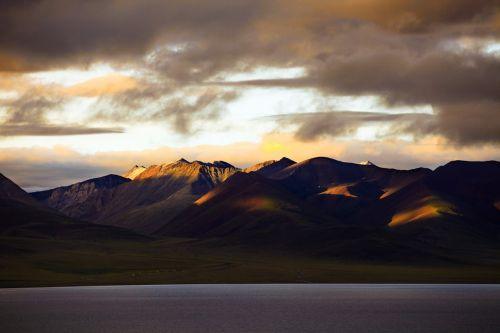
[{"x": 253, "y": 308}]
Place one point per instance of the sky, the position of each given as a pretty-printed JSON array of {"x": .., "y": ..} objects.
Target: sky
[{"x": 89, "y": 87}]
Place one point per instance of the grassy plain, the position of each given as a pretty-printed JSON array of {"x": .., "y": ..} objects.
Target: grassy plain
[{"x": 28, "y": 262}]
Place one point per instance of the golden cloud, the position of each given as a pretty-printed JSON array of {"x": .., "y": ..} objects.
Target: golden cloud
[{"x": 104, "y": 85}]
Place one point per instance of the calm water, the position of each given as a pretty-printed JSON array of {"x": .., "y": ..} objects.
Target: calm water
[{"x": 253, "y": 308}]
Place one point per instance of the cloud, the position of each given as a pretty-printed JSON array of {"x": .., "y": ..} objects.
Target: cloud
[
  {"x": 397, "y": 15},
  {"x": 435, "y": 78},
  {"x": 314, "y": 125},
  {"x": 48, "y": 33},
  {"x": 119, "y": 98},
  {"x": 110, "y": 84},
  {"x": 54, "y": 130},
  {"x": 471, "y": 123},
  {"x": 462, "y": 87},
  {"x": 205, "y": 107},
  {"x": 150, "y": 103},
  {"x": 406, "y": 52},
  {"x": 61, "y": 32},
  {"x": 27, "y": 116}
]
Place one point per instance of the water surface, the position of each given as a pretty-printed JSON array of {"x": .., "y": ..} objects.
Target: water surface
[{"x": 253, "y": 308}]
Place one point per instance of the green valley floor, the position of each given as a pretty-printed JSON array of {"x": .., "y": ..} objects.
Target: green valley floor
[{"x": 28, "y": 262}]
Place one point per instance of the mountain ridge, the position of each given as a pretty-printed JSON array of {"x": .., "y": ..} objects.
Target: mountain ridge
[
  {"x": 281, "y": 201},
  {"x": 23, "y": 216}
]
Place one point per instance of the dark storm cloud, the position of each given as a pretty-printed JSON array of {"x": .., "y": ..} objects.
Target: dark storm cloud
[
  {"x": 471, "y": 123},
  {"x": 43, "y": 33},
  {"x": 312, "y": 126},
  {"x": 435, "y": 78},
  {"x": 63, "y": 32}
]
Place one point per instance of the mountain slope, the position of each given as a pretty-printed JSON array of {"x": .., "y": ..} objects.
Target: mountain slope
[
  {"x": 327, "y": 207},
  {"x": 341, "y": 188},
  {"x": 474, "y": 187},
  {"x": 336, "y": 190},
  {"x": 247, "y": 206},
  {"x": 84, "y": 200},
  {"x": 161, "y": 192},
  {"x": 320, "y": 204},
  {"x": 269, "y": 168},
  {"x": 143, "y": 203},
  {"x": 451, "y": 209},
  {"x": 11, "y": 191},
  {"x": 23, "y": 216}
]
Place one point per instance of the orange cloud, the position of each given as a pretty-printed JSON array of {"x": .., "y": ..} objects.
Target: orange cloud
[{"x": 104, "y": 85}]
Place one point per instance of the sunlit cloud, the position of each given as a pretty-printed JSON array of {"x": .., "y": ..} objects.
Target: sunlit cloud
[{"x": 104, "y": 85}]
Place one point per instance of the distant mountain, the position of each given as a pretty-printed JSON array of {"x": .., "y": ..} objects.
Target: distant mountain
[
  {"x": 162, "y": 191},
  {"x": 320, "y": 205},
  {"x": 135, "y": 171},
  {"x": 343, "y": 188},
  {"x": 460, "y": 191},
  {"x": 351, "y": 210},
  {"x": 84, "y": 200},
  {"x": 269, "y": 168},
  {"x": 146, "y": 202},
  {"x": 22, "y": 215},
  {"x": 474, "y": 187},
  {"x": 259, "y": 166}
]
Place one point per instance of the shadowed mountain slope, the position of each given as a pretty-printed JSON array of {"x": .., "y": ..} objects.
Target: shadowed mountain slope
[
  {"x": 269, "y": 168},
  {"x": 459, "y": 190},
  {"x": 343, "y": 188},
  {"x": 11, "y": 191},
  {"x": 22, "y": 216},
  {"x": 84, "y": 200},
  {"x": 247, "y": 206},
  {"x": 352, "y": 210},
  {"x": 474, "y": 187},
  {"x": 315, "y": 192},
  {"x": 320, "y": 173}
]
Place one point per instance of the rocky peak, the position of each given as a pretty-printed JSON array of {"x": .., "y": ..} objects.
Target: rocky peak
[
  {"x": 135, "y": 171},
  {"x": 222, "y": 164},
  {"x": 268, "y": 168},
  {"x": 259, "y": 166},
  {"x": 189, "y": 170}
]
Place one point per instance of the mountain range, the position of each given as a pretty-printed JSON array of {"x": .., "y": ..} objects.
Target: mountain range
[
  {"x": 320, "y": 206},
  {"x": 24, "y": 216}
]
